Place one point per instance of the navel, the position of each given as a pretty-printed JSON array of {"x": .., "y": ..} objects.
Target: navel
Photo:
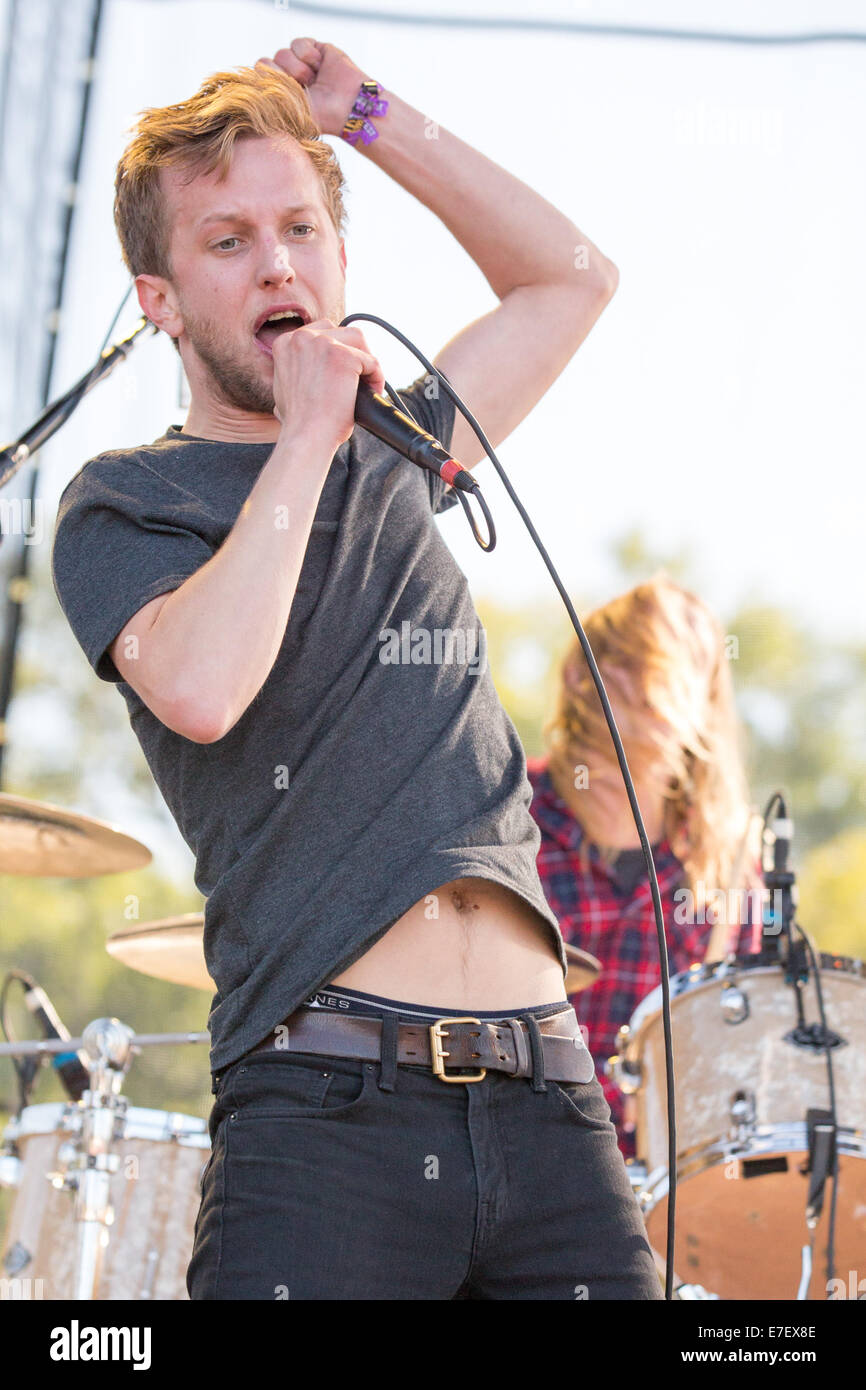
[{"x": 462, "y": 900}]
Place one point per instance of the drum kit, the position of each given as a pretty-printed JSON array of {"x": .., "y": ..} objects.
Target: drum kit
[
  {"x": 105, "y": 1194},
  {"x": 769, "y": 1054},
  {"x": 754, "y": 1127}
]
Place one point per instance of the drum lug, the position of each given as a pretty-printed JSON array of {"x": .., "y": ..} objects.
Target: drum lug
[
  {"x": 743, "y": 1112},
  {"x": 623, "y": 1073},
  {"x": 10, "y": 1168},
  {"x": 63, "y": 1180},
  {"x": 734, "y": 1004},
  {"x": 67, "y": 1154}
]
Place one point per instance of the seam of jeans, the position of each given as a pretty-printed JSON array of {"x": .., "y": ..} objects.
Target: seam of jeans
[
  {"x": 496, "y": 1127},
  {"x": 565, "y": 1100},
  {"x": 319, "y": 1111},
  {"x": 482, "y": 1210},
  {"x": 317, "y": 1082},
  {"x": 222, "y": 1205}
]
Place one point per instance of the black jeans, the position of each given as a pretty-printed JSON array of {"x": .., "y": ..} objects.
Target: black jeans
[{"x": 323, "y": 1185}]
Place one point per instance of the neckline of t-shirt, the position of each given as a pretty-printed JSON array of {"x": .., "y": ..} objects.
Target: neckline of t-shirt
[{"x": 177, "y": 432}]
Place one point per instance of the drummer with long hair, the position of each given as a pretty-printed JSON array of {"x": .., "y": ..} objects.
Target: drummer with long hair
[{"x": 665, "y": 664}]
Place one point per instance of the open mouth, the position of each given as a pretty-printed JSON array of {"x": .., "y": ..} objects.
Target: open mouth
[{"x": 283, "y": 321}]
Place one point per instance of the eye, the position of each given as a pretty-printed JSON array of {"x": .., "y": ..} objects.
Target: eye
[
  {"x": 306, "y": 226},
  {"x": 223, "y": 242}
]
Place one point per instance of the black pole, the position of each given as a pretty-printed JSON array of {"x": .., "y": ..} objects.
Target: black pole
[{"x": 18, "y": 583}]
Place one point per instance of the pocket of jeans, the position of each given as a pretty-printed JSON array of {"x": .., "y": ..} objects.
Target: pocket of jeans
[
  {"x": 585, "y": 1101},
  {"x": 282, "y": 1089}
]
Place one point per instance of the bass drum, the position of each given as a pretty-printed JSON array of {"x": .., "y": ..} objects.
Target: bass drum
[
  {"x": 155, "y": 1195},
  {"x": 745, "y": 1080}
]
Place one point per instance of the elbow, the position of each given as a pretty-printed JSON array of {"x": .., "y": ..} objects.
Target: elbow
[
  {"x": 597, "y": 277},
  {"x": 607, "y": 280},
  {"x": 192, "y": 719},
  {"x": 204, "y": 733}
]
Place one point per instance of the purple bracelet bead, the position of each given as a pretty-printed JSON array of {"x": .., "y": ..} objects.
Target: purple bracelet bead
[{"x": 368, "y": 102}]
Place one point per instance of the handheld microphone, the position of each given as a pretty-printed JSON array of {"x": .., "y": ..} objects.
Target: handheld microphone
[
  {"x": 377, "y": 415},
  {"x": 70, "y": 1067}
]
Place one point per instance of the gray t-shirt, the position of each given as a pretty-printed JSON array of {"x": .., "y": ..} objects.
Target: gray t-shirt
[{"x": 375, "y": 763}]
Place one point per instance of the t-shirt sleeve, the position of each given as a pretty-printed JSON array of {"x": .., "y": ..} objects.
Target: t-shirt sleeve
[
  {"x": 435, "y": 412},
  {"x": 119, "y": 541}
]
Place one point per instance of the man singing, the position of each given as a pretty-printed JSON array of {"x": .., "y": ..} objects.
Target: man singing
[{"x": 405, "y": 1107}]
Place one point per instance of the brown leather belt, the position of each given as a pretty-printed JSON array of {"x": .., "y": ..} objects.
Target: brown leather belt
[{"x": 448, "y": 1042}]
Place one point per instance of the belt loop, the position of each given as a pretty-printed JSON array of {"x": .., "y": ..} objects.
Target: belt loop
[
  {"x": 521, "y": 1051},
  {"x": 388, "y": 1068},
  {"x": 537, "y": 1048}
]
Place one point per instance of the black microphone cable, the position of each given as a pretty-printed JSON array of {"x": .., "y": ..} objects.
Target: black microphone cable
[
  {"x": 611, "y": 724},
  {"x": 621, "y": 759},
  {"x": 827, "y": 1046},
  {"x": 463, "y": 483}
]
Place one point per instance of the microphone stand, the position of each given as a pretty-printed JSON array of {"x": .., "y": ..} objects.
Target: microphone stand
[
  {"x": 780, "y": 879},
  {"x": 58, "y": 412},
  {"x": 821, "y": 1124},
  {"x": 11, "y": 458}
]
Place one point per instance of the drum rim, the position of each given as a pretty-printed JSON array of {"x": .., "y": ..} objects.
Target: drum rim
[
  {"x": 794, "y": 1136},
  {"x": 703, "y": 975}
]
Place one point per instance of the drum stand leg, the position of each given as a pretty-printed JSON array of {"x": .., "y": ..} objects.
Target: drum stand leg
[
  {"x": 805, "y": 1274},
  {"x": 93, "y": 1214},
  {"x": 108, "y": 1043}
]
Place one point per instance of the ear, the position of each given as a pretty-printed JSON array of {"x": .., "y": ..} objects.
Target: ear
[
  {"x": 158, "y": 303},
  {"x": 343, "y": 255}
]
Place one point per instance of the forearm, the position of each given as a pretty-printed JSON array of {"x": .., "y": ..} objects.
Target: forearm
[
  {"x": 514, "y": 235},
  {"x": 220, "y": 632}
]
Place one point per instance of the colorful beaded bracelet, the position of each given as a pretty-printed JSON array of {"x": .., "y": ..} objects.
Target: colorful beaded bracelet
[{"x": 368, "y": 102}]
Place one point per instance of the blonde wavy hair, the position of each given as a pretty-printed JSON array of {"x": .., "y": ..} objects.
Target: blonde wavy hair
[
  {"x": 663, "y": 659},
  {"x": 199, "y": 136}
]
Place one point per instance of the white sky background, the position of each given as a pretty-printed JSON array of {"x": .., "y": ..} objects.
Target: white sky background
[{"x": 718, "y": 400}]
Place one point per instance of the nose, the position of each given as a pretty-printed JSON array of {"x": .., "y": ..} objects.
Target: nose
[{"x": 275, "y": 267}]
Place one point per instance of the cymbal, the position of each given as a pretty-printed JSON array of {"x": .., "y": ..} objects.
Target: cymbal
[
  {"x": 46, "y": 841},
  {"x": 583, "y": 969},
  {"x": 171, "y": 949}
]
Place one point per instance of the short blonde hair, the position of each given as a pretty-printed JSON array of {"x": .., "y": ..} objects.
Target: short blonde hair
[{"x": 199, "y": 136}]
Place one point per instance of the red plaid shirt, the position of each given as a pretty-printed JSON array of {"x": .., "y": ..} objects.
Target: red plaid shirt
[{"x": 616, "y": 926}]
